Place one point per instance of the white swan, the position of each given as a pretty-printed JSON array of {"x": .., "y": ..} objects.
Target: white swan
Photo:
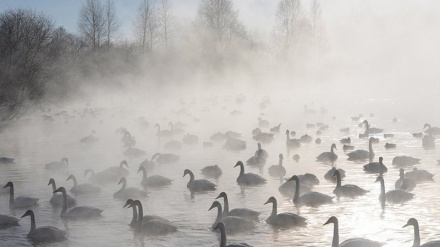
[
  {"x": 392, "y": 196},
  {"x": 352, "y": 242},
  {"x": 283, "y": 220},
  {"x": 257, "y": 160},
  {"x": 6, "y": 161},
  {"x": 100, "y": 178},
  {"x": 162, "y": 133},
  {"x": 263, "y": 152},
  {"x": 154, "y": 226},
  {"x": 403, "y": 161},
  {"x": 288, "y": 188},
  {"x": 239, "y": 212},
  {"x": 278, "y": 170},
  {"x": 347, "y": 190},
  {"x": 369, "y": 130},
  {"x": 153, "y": 181},
  {"x": 173, "y": 145},
  {"x": 292, "y": 143},
  {"x": 198, "y": 185},
  {"x": 345, "y": 140},
  {"x": 21, "y": 201},
  {"x": 128, "y": 193},
  {"x": 222, "y": 228},
  {"x": 190, "y": 139},
  {"x": 134, "y": 221},
  {"x": 328, "y": 156},
  {"x": 43, "y": 234},
  {"x": 80, "y": 212},
  {"x": 118, "y": 171},
  {"x": 376, "y": 167},
  {"x": 233, "y": 224},
  {"x": 166, "y": 158},
  {"x": 212, "y": 171},
  {"x": 329, "y": 175},
  {"x": 58, "y": 166},
  {"x": 57, "y": 199},
  {"x": 8, "y": 220},
  {"x": 415, "y": 223},
  {"x": 248, "y": 179},
  {"x": 311, "y": 199},
  {"x": 363, "y": 154},
  {"x": 404, "y": 183},
  {"x": 419, "y": 176},
  {"x": 84, "y": 188},
  {"x": 431, "y": 130}
]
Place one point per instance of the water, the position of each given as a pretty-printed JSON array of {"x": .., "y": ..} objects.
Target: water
[{"x": 35, "y": 142}]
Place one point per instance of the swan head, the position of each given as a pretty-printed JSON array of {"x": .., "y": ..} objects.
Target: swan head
[
  {"x": 401, "y": 172},
  {"x": 123, "y": 180},
  {"x": 380, "y": 160},
  {"x": 124, "y": 162},
  {"x": 9, "y": 184},
  {"x": 222, "y": 195},
  {"x": 371, "y": 140},
  {"x": 60, "y": 189},
  {"x": 86, "y": 171},
  {"x": 271, "y": 200},
  {"x": 156, "y": 125},
  {"x": 215, "y": 204},
  {"x": 294, "y": 177},
  {"x": 281, "y": 156},
  {"x": 65, "y": 160},
  {"x": 334, "y": 145},
  {"x": 187, "y": 171},
  {"x": 379, "y": 179},
  {"x": 365, "y": 122},
  {"x": 219, "y": 225},
  {"x": 141, "y": 168},
  {"x": 336, "y": 173},
  {"x": 154, "y": 156},
  {"x": 332, "y": 219},
  {"x": 28, "y": 213},
  {"x": 287, "y": 132},
  {"x": 129, "y": 203},
  {"x": 51, "y": 181},
  {"x": 239, "y": 163},
  {"x": 71, "y": 176},
  {"x": 426, "y": 125},
  {"x": 411, "y": 222},
  {"x": 259, "y": 145}
]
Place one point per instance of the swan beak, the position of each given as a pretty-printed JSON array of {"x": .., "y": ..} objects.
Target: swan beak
[
  {"x": 127, "y": 204},
  {"x": 57, "y": 190},
  {"x": 405, "y": 225},
  {"x": 212, "y": 206},
  {"x": 290, "y": 179},
  {"x": 139, "y": 170},
  {"x": 328, "y": 222},
  {"x": 5, "y": 186}
]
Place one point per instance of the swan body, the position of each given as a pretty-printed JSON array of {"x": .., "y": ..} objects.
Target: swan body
[
  {"x": 415, "y": 223},
  {"x": 352, "y": 242},
  {"x": 345, "y": 140},
  {"x": 57, "y": 199},
  {"x": 175, "y": 145},
  {"x": 58, "y": 166},
  {"x": 292, "y": 143},
  {"x": 403, "y": 183},
  {"x": 308, "y": 179},
  {"x": 248, "y": 179},
  {"x": 6, "y": 161},
  {"x": 223, "y": 228},
  {"x": 212, "y": 171},
  {"x": 328, "y": 156},
  {"x": 89, "y": 139},
  {"x": 198, "y": 185},
  {"x": 431, "y": 130},
  {"x": 44, "y": 234},
  {"x": 275, "y": 129},
  {"x": 283, "y": 220},
  {"x": 218, "y": 137},
  {"x": 329, "y": 175},
  {"x": 151, "y": 225},
  {"x": 257, "y": 160},
  {"x": 165, "y": 158},
  {"x": 403, "y": 161},
  {"x": 233, "y": 224},
  {"x": 363, "y": 154},
  {"x": 428, "y": 142},
  {"x": 311, "y": 199},
  {"x": 235, "y": 144},
  {"x": 21, "y": 201},
  {"x": 347, "y": 147},
  {"x": 369, "y": 130},
  {"x": 305, "y": 139},
  {"x": 278, "y": 170},
  {"x": 8, "y": 220},
  {"x": 392, "y": 196},
  {"x": 80, "y": 212},
  {"x": 190, "y": 139},
  {"x": 176, "y": 130},
  {"x": 118, "y": 171},
  {"x": 101, "y": 178},
  {"x": 288, "y": 188},
  {"x": 239, "y": 212},
  {"x": 132, "y": 152},
  {"x": 153, "y": 181},
  {"x": 128, "y": 193},
  {"x": 390, "y": 145},
  {"x": 145, "y": 218},
  {"x": 163, "y": 133},
  {"x": 347, "y": 190},
  {"x": 84, "y": 188},
  {"x": 419, "y": 176},
  {"x": 376, "y": 167}
]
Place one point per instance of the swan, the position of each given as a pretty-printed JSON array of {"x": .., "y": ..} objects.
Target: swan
[
  {"x": 288, "y": 188},
  {"x": 151, "y": 224},
  {"x": 8, "y": 220},
  {"x": 431, "y": 130},
  {"x": 126, "y": 193},
  {"x": 118, "y": 171},
  {"x": 132, "y": 152},
  {"x": 57, "y": 199},
  {"x": 376, "y": 167},
  {"x": 127, "y": 139},
  {"x": 308, "y": 179},
  {"x": 6, "y": 161},
  {"x": 392, "y": 196},
  {"x": 222, "y": 228},
  {"x": 58, "y": 166},
  {"x": 166, "y": 158},
  {"x": 21, "y": 201},
  {"x": 232, "y": 134},
  {"x": 212, "y": 171},
  {"x": 234, "y": 144},
  {"x": 419, "y": 176},
  {"x": 369, "y": 130},
  {"x": 262, "y": 123},
  {"x": 134, "y": 220},
  {"x": 198, "y": 185},
  {"x": 390, "y": 145},
  {"x": 239, "y": 212},
  {"x": 80, "y": 212},
  {"x": 233, "y": 224},
  {"x": 347, "y": 190},
  {"x": 174, "y": 145},
  {"x": 312, "y": 199},
  {"x": 328, "y": 156},
  {"x": 89, "y": 139},
  {"x": 175, "y": 130},
  {"x": 153, "y": 181},
  {"x": 84, "y": 188},
  {"x": 352, "y": 242},
  {"x": 330, "y": 175},
  {"x": 415, "y": 223},
  {"x": 100, "y": 178},
  {"x": 190, "y": 139},
  {"x": 418, "y": 135},
  {"x": 283, "y": 220},
  {"x": 305, "y": 139},
  {"x": 292, "y": 143},
  {"x": 248, "y": 179},
  {"x": 162, "y": 133},
  {"x": 388, "y": 135},
  {"x": 264, "y": 137},
  {"x": 257, "y": 160},
  {"x": 149, "y": 165},
  {"x": 278, "y": 170},
  {"x": 218, "y": 137},
  {"x": 428, "y": 142},
  {"x": 275, "y": 129},
  {"x": 45, "y": 233},
  {"x": 296, "y": 157},
  {"x": 403, "y": 161},
  {"x": 363, "y": 154},
  {"x": 318, "y": 140},
  {"x": 347, "y": 147},
  {"x": 404, "y": 183}
]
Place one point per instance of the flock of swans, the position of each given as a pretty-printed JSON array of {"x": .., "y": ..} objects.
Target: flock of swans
[{"x": 298, "y": 187}]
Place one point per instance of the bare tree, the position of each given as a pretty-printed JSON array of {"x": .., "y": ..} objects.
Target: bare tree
[
  {"x": 91, "y": 23},
  {"x": 164, "y": 20},
  {"x": 112, "y": 24},
  {"x": 288, "y": 16},
  {"x": 219, "y": 18},
  {"x": 318, "y": 29},
  {"x": 145, "y": 25}
]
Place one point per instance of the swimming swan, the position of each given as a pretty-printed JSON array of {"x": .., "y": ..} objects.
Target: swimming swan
[
  {"x": 239, "y": 212},
  {"x": 128, "y": 193},
  {"x": 222, "y": 228},
  {"x": 312, "y": 199},
  {"x": 347, "y": 190},
  {"x": 376, "y": 167},
  {"x": 363, "y": 154},
  {"x": 43, "y": 234},
  {"x": 153, "y": 181},
  {"x": 57, "y": 199},
  {"x": 198, "y": 185},
  {"x": 403, "y": 183},
  {"x": 84, "y": 188},
  {"x": 328, "y": 156},
  {"x": 415, "y": 223},
  {"x": 283, "y": 220},
  {"x": 21, "y": 201},
  {"x": 278, "y": 170},
  {"x": 248, "y": 179},
  {"x": 152, "y": 226},
  {"x": 392, "y": 196},
  {"x": 80, "y": 212},
  {"x": 233, "y": 224}
]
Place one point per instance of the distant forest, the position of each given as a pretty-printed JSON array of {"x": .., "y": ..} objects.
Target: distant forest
[{"x": 42, "y": 63}]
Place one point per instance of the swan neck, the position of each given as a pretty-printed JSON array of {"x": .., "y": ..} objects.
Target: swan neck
[
  {"x": 280, "y": 162},
  {"x": 11, "y": 196},
  {"x": 54, "y": 187},
  {"x": 274, "y": 208},
  {"x": 33, "y": 225},
  {"x": 332, "y": 149},
  {"x": 338, "y": 180},
  {"x": 191, "y": 176},
  {"x": 296, "y": 196},
  {"x": 140, "y": 214},
  {"x": 135, "y": 216},
  {"x": 64, "y": 202},
  {"x": 75, "y": 183},
  {"x": 382, "y": 193},
  {"x": 158, "y": 128},
  {"x": 226, "y": 202},
  {"x": 416, "y": 236},
  {"x": 222, "y": 237},
  {"x": 124, "y": 184},
  {"x": 241, "y": 169},
  {"x": 335, "y": 242},
  {"x": 144, "y": 173}
]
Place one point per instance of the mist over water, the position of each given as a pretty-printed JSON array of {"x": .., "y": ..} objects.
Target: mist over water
[{"x": 382, "y": 61}]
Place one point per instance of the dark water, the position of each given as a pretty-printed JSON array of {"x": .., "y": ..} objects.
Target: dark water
[{"x": 35, "y": 142}]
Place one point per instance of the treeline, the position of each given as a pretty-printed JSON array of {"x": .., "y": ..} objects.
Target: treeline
[{"x": 40, "y": 62}]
